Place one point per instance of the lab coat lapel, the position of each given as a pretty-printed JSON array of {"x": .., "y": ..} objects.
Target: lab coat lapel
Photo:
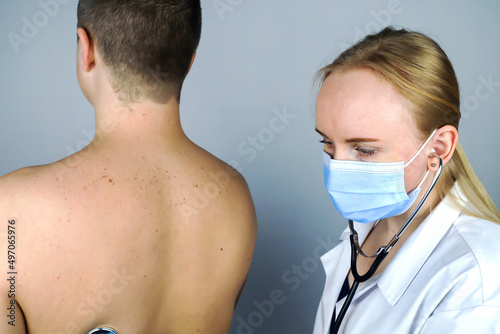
[{"x": 336, "y": 264}]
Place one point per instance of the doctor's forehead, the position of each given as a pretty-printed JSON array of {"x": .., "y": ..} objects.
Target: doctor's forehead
[{"x": 360, "y": 103}]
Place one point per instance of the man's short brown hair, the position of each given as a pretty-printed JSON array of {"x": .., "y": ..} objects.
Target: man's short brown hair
[{"x": 147, "y": 45}]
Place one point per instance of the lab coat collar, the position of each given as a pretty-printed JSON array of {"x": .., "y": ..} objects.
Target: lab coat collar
[
  {"x": 336, "y": 263},
  {"x": 405, "y": 265}
]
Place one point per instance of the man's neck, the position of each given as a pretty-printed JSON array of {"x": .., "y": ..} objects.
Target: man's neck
[{"x": 138, "y": 125}]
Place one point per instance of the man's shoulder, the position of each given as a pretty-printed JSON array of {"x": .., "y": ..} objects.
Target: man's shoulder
[
  {"x": 222, "y": 187},
  {"x": 224, "y": 197},
  {"x": 218, "y": 212},
  {"x": 24, "y": 180},
  {"x": 17, "y": 182},
  {"x": 27, "y": 190}
]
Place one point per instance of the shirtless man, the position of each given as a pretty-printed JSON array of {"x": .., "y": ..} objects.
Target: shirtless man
[{"x": 142, "y": 231}]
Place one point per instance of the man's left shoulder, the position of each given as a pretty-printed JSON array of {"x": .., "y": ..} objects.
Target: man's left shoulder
[{"x": 21, "y": 181}]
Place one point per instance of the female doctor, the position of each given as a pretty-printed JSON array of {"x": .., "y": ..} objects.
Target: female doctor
[{"x": 421, "y": 251}]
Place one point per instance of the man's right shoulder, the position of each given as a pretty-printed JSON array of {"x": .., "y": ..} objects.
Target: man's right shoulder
[
  {"x": 223, "y": 188},
  {"x": 225, "y": 192},
  {"x": 222, "y": 199}
]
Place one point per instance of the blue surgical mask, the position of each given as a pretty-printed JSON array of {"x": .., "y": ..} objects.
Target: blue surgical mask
[{"x": 368, "y": 191}]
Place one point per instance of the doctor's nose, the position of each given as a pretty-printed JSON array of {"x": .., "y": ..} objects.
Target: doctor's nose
[{"x": 340, "y": 154}]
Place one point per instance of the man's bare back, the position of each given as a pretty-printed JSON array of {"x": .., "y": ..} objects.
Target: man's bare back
[
  {"x": 142, "y": 231},
  {"x": 144, "y": 242}
]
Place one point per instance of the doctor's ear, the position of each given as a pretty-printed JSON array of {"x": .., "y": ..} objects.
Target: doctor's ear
[{"x": 444, "y": 143}]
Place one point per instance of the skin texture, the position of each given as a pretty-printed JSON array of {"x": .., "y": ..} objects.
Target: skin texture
[
  {"x": 142, "y": 231},
  {"x": 361, "y": 117}
]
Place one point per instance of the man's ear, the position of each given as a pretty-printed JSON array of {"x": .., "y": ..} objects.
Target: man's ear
[
  {"x": 446, "y": 139},
  {"x": 86, "y": 51},
  {"x": 192, "y": 61}
]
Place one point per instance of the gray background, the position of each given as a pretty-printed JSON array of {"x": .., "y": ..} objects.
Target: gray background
[{"x": 255, "y": 58}]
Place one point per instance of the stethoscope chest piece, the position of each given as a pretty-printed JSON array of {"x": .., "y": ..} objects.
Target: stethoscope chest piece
[{"x": 102, "y": 330}]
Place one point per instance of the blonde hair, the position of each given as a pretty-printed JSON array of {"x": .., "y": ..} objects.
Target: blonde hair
[{"x": 419, "y": 69}]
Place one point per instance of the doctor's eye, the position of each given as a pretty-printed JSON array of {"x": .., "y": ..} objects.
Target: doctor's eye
[
  {"x": 366, "y": 151},
  {"x": 326, "y": 142}
]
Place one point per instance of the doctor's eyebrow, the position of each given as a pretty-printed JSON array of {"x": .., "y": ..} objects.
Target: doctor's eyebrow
[
  {"x": 353, "y": 140},
  {"x": 321, "y": 133},
  {"x": 361, "y": 140}
]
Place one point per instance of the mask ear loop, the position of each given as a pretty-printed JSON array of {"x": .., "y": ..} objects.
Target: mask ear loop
[
  {"x": 421, "y": 148},
  {"x": 433, "y": 153}
]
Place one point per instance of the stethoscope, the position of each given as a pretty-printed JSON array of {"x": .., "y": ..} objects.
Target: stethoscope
[
  {"x": 103, "y": 330},
  {"x": 379, "y": 255}
]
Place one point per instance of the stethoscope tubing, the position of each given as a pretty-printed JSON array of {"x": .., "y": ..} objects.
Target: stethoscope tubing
[{"x": 379, "y": 257}]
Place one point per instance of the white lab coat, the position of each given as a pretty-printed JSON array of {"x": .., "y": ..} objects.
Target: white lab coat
[{"x": 444, "y": 279}]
